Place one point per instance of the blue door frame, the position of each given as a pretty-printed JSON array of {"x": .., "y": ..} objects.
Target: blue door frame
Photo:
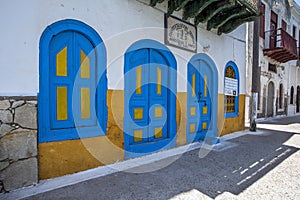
[
  {"x": 202, "y": 100},
  {"x": 73, "y": 36},
  {"x": 149, "y": 98}
]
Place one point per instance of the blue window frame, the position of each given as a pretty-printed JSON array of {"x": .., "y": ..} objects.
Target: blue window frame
[
  {"x": 73, "y": 83},
  {"x": 231, "y": 103}
]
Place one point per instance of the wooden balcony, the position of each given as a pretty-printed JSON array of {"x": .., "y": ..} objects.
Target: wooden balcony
[
  {"x": 282, "y": 46},
  {"x": 223, "y": 15}
]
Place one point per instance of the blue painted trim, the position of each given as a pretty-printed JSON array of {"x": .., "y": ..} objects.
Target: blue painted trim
[
  {"x": 45, "y": 134},
  {"x": 212, "y": 131},
  {"x": 236, "y": 106},
  {"x": 135, "y": 150}
]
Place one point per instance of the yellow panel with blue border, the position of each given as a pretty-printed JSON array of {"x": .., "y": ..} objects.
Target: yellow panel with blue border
[
  {"x": 61, "y": 63},
  {"x": 138, "y": 113},
  {"x": 158, "y": 112},
  {"x": 193, "y": 84},
  {"x": 204, "y": 125},
  {"x": 62, "y": 103},
  {"x": 84, "y": 65},
  {"x": 138, "y": 80},
  {"x": 85, "y": 103},
  {"x": 192, "y": 128},
  {"x": 137, "y": 135},
  {"x": 158, "y": 71},
  {"x": 204, "y": 110},
  {"x": 193, "y": 111},
  {"x": 158, "y": 132}
]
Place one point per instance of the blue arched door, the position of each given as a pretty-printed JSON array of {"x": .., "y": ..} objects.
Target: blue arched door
[
  {"x": 72, "y": 82},
  {"x": 149, "y": 101},
  {"x": 201, "y": 100}
]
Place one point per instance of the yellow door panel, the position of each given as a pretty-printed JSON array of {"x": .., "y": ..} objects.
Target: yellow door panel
[
  {"x": 61, "y": 63},
  {"x": 62, "y": 103},
  {"x": 85, "y": 103}
]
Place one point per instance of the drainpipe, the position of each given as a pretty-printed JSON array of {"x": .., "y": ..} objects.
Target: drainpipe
[{"x": 255, "y": 72}]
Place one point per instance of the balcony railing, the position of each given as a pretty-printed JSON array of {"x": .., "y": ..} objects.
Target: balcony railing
[{"x": 282, "y": 46}]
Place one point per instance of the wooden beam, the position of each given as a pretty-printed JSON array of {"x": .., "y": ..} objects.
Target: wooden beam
[
  {"x": 214, "y": 9},
  {"x": 194, "y": 8},
  {"x": 226, "y": 15},
  {"x": 222, "y": 18},
  {"x": 231, "y": 25},
  {"x": 176, "y": 5},
  {"x": 154, "y": 2}
]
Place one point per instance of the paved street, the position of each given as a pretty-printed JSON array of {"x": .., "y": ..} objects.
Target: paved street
[{"x": 261, "y": 165}]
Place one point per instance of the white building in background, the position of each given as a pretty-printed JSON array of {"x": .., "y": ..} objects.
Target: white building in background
[{"x": 279, "y": 92}]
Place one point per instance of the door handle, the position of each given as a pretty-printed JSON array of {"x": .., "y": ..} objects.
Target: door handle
[{"x": 200, "y": 98}]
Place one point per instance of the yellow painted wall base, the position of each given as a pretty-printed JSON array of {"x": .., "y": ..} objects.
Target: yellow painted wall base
[
  {"x": 230, "y": 125},
  {"x": 67, "y": 157},
  {"x": 61, "y": 158},
  {"x": 70, "y": 156},
  {"x": 181, "y": 118}
]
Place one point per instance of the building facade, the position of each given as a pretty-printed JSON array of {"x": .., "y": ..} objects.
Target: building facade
[
  {"x": 89, "y": 83},
  {"x": 279, "y": 54}
]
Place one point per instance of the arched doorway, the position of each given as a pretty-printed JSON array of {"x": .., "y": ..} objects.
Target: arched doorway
[
  {"x": 280, "y": 98},
  {"x": 270, "y": 99},
  {"x": 202, "y": 98},
  {"x": 292, "y": 95},
  {"x": 150, "y": 98},
  {"x": 298, "y": 100},
  {"x": 72, "y": 80}
]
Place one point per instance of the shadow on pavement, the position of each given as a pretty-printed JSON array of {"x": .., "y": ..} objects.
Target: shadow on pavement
[
  {"x": 282, "y": 121},
  {"x": 232, "y": 170}
]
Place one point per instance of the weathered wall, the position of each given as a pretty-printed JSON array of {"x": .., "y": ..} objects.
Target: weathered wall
[{"x": 18, "y": 141}]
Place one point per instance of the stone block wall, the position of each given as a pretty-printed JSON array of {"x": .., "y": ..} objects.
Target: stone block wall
[{"x": 18, "y": 141}]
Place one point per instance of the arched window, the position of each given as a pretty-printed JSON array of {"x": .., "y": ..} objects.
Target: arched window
[
  {"x": 73, "y": 85},
  {"x": 231, "y": 87},
  {"x": 292, "y": 95},
  {"x": 280, "y": 96}
]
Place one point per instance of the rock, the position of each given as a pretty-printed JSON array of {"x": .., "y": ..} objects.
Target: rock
[
  {"x": 26, "y": 116},
  {"x": 4, "y": 129},
  {"x": 20, "y": 145},
  {"x": 17, "y": 104},
  {"x": 32, "y": 102},
  {"x": 6, "y": 116},
  {"x": 3, "y": 152},
  {"x": 4, "y": 104},
  {"x": 20, "y": 174},
  {"x": 19, "y": 129},
  {"x": 3, "y": 165}
]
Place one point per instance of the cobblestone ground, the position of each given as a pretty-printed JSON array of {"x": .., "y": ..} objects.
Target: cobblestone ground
[{"x": 260, "y": 165}]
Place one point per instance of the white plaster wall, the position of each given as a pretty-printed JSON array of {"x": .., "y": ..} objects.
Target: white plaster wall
[
  {"x": 19, "y": 47},
  {"x": 119, "y": 23}
]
